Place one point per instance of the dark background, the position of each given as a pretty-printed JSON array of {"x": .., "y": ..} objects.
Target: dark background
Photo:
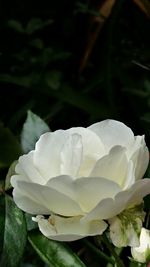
[{"x": 42, "y": 47}]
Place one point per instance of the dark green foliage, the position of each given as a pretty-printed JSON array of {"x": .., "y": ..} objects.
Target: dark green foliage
[
  {"x": 9, "y": 147},
  {"x": 33, "y": 128},
  {"x": 14, "y": 235},
  {"x": 39, "y": 68},
  {"x": 55, "y": 254}
]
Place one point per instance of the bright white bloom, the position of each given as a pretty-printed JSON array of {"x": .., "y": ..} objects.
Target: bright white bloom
[
  {"x": 142, "y": 253},
  {"x": 81, "y": 177}
]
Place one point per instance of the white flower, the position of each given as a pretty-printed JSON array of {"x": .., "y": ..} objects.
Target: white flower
[
  {"x": 81, "y": 177},
  {"x": 142, "y": 253}
]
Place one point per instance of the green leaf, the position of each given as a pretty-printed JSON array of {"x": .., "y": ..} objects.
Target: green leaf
[
  {"x": 10, "y": 149},
  {"x": 82, "y": 101},
  {"x": 37, "y": 43},
  {"x": 25, "y": 81},
  {"x": 53, "y": 253},
  {"x": 2, "y": 221},
  {"x": 136, "y": 264},
  {"x": 11, "y": 172},
  {"x": 2, "y": 187},
  {"x": 15, "y": 235},
  {"x": 36, "y": 24},
  {"x": 53, "y": 79},
  {"x": 33, "y": 128},
  {"x": 15, "y": 25},
  {"x": 29, "y": 222}
]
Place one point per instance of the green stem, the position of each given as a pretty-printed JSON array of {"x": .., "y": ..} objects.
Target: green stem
[
  {"x": 97, "y": 252},
  {"x": 112, "y": 251}
]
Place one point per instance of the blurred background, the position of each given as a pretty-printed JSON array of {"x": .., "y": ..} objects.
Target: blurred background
[{"x": 75, "y": 62}]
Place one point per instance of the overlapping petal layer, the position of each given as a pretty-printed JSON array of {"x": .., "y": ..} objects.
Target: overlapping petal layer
[
  {"x": 108, "y": 208},
  {"x": 113, "y": 133},
  {"x": 69, "y": 229},
  {"x": 51, "y": 199}
]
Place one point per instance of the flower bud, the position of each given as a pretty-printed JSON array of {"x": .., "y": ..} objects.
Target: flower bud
[{"x": 142, "y": 253}]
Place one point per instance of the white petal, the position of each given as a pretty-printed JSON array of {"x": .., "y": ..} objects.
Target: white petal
[
  {"x": 130, "y": 178},
  {"x": 29, "y": 204},
  {"x": 140, "y": 158},
  {"x": 26, "y": 169},
  {"x": 69, "y": 229},
  {"x": 51, "y": 146},
  {"x": 87, "y": 191},
  {"x": 105, "y": 209},
  {"x": 142, "y": 253},
  {"x": 90, "y": 191},
  {"x": 113, "y": 133},
  {"x": 139, "y": 141},
  {"x": 93, "y": 149},
  {"x": 112, "y": 166},
  {"x": 124, "y": 236},
  {"x": 138, "y": 191},
  {"x": 71, "y": 155},
  {"x": 126, "y": 227},
  {"x": 47, "y": 153},
  {"x": 17, "y": 177},
  {"x": 49, "y": 198},
  {"x": 63, "y": 184},
  {"x": 108, "y": 208}
]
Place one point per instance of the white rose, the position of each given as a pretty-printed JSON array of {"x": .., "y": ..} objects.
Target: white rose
[
  {"x": 81, "y": 177},
  {"x": 142, "y": 253}
]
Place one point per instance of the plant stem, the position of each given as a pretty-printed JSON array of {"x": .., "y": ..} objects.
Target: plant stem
[
  {"x": 97, "y": 252},
  {"x": 112, "y": 251}
]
